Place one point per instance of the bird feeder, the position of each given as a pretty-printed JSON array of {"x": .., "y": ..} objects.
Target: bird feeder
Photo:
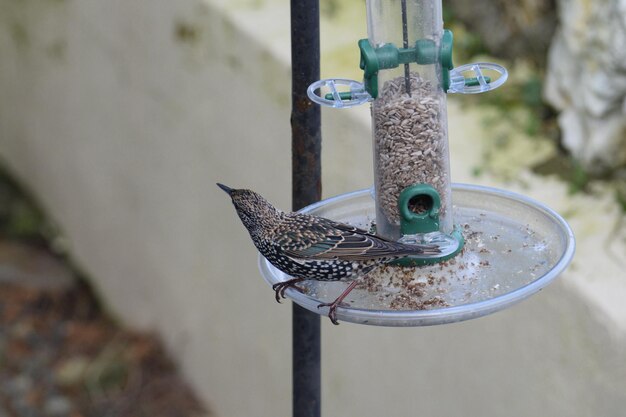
[{"x": 497, "y": 247}]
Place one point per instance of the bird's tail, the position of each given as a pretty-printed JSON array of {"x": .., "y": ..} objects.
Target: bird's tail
[
  {"x": 423, "y": 249},
  {"x": 418, "y": 249}
]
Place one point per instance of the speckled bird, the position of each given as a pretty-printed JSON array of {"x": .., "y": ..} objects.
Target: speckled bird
[{"x": 308, "y": 247}]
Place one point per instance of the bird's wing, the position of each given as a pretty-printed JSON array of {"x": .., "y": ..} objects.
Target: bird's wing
[{"x": 319, "y": 238}]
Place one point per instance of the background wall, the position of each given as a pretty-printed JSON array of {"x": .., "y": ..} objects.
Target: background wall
[{"x": 122, "y": 115}]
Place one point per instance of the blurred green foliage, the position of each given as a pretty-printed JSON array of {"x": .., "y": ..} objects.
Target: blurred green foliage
[
  {"x": 20, "y": 216},
  {"x": 466, "y": 43},
  {"x": 524, "y": 91},
  {"x": 568, "y": 170}
]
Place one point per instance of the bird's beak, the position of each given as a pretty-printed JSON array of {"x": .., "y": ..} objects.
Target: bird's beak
[{"x": 225, "y": 188}]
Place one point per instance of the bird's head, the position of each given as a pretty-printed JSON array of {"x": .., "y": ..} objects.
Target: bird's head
[{"x": 254, "y": 211}]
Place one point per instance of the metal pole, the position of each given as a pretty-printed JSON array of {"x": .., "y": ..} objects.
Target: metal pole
[
  {"x": 306, "y": 189},
  {"x": 405, "y": 44}
]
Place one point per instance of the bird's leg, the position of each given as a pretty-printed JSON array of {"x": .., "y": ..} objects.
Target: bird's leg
[
  {"x": 332, "y": 311},
  {"x": 280, "y": 287}
]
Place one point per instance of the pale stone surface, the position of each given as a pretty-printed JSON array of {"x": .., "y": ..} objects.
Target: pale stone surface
[
  {"x": 121, "y": 117},
  {"x": 586, "y": 81}
]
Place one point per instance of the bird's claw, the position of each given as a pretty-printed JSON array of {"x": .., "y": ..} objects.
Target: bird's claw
[
  {"x": 332, "y": 311},
  {"x": 280, "y": 287}
]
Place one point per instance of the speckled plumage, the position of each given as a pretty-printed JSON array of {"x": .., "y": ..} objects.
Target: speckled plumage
[{"x": 314, "y": 248}]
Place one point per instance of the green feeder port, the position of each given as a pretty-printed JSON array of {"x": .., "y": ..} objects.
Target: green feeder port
[{"x": 419, "y": 207}]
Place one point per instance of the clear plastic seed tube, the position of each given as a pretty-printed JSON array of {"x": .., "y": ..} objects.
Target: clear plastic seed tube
[{"x": 409, "y": 121}]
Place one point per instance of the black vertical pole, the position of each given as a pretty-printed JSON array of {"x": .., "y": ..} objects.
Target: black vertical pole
[
  {"x": 405, "y": 44},
  {"x": 306, "y": 189}
]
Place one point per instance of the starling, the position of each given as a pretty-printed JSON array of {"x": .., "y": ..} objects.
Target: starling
[{"x": 307, "y": 247}]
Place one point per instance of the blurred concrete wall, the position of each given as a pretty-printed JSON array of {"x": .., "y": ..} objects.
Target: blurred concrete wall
[{"x": 122, "y": 115}]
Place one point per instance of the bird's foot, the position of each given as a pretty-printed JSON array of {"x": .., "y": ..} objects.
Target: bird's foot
[
  {"x": 332, "y": 310},
  {"x": 280, "y": 287}
]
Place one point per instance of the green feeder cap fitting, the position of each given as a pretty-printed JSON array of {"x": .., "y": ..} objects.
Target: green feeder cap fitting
[
  {"x": 424, "y": 221},
  {"x": 388, "y": 56}
]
